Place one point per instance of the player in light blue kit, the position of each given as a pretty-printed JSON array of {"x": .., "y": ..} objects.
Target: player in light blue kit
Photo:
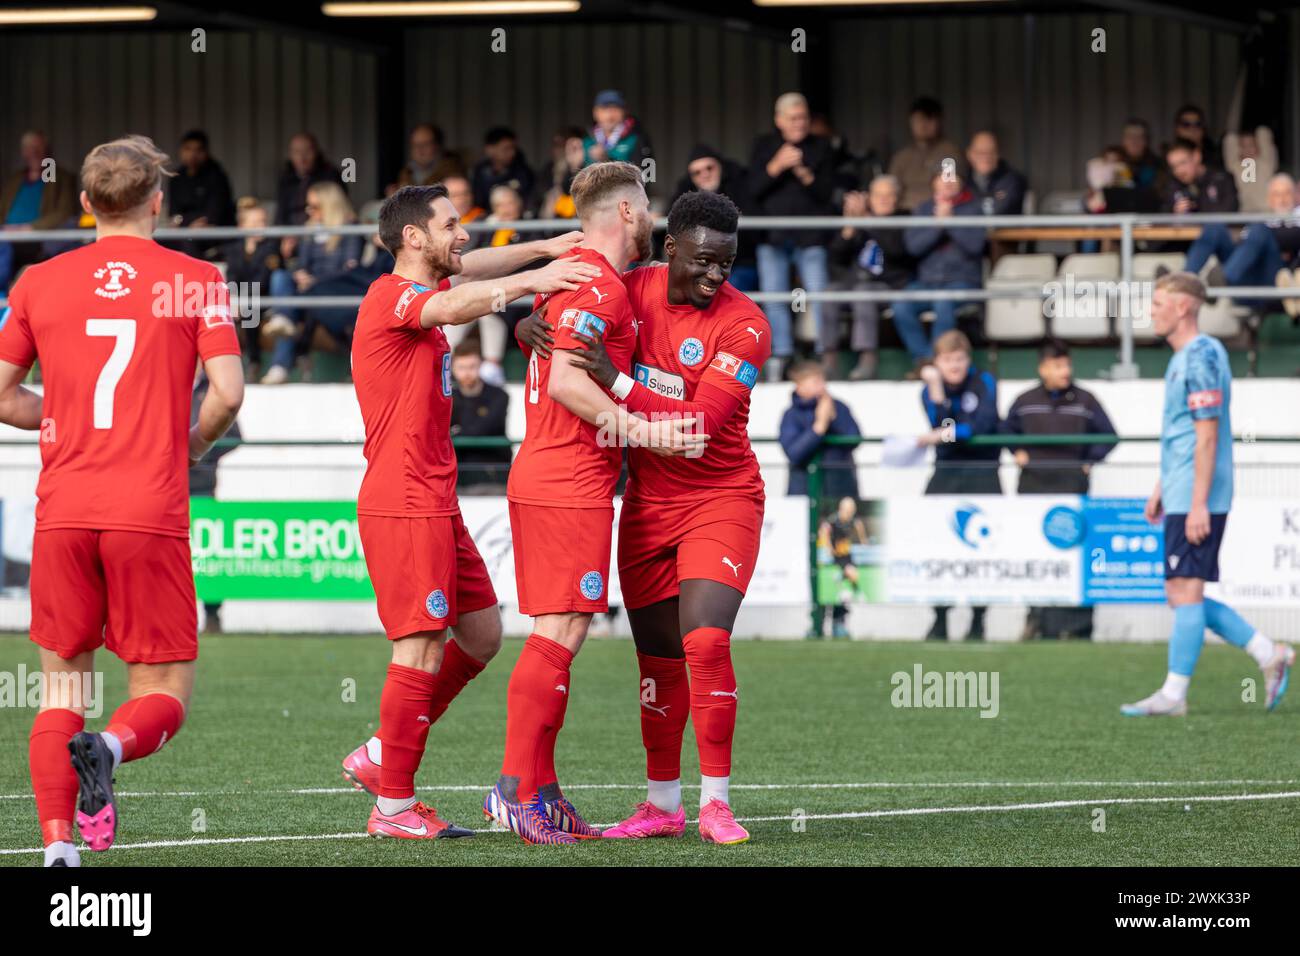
[{"x": 1193, "y": 495}]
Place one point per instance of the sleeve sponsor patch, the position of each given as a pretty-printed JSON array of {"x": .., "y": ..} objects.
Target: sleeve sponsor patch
[
  {"x": 583, "y": 322},
  {"x": 407, "y": 297},
  {"x": 1208, "y": 398},
  {"x": 216, "y": 314},
  {"x": 735, "y": 367}
]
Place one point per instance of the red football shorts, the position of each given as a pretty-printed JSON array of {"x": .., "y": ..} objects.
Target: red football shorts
[
  {"x": 661, "y": 544},
  {"x": 425, "y": 572},
  {"x": 129, "y": 591},
  {"x": 561, "y": 558}
]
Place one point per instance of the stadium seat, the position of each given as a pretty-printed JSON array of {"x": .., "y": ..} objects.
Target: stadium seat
[
  {"x": 1085, "y": 318},
  {"x": 1018, "y": 320},
  {"x": 1145, "y": 266}
]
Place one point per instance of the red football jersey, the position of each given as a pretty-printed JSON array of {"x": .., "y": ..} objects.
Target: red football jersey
[
  {"x": 118, "y": 326},
  {"x": 402, "y": 374},
  {"x": 560, "y": 463},
  {"x": 677, "y": 347}
]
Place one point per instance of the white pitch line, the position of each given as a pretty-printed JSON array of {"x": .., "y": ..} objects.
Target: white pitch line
[
  {"x": 850, "y": 815},
  {"x": 864, "y": 785}
]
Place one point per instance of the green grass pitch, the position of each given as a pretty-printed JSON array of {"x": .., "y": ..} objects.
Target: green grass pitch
[{"x": 253, "y": 778}]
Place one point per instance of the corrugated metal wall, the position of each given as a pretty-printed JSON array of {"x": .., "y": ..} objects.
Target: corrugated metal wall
[
  {"x": 976, "y": 65},
  {"x": 686, "y": 83},
  {"x": 250, "y": 91}
]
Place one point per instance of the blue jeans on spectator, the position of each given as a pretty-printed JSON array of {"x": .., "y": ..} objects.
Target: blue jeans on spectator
[
  {"x": 6, "y": 265},
  {"x": 774, "y": 276},
  {"x": 1252, "y": 260},
  {"x": 907, "y": 317},
  {"x": 282, "y": 284},
  {"x": 744, "y": 278}
]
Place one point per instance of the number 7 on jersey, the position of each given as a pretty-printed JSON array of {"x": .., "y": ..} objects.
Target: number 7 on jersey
[{"x": 123, "y": 332}]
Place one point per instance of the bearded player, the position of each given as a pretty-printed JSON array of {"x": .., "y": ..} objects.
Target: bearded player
[
  {"x": 689, "y": 529},
  {"x": 427, "y": 574},
  {"x": 562, "y": 490},
  {"x": 111, "y": 554}
]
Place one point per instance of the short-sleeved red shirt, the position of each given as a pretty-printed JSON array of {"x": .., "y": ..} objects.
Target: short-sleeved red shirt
[
  {"x": 561, "y": 463},
  {"x": 677, "y": 347},
  {"x": 119, "y": 326},
  {"x": 402, "y": 375}
]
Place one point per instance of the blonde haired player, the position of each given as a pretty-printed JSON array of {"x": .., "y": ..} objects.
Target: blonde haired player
[{"x": 111, "y": 555}]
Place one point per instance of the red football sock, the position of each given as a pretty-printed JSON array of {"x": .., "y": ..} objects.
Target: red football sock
[
  {"x": 713, "y": 697},
  {"x": 144, "y": 724},
  {"x": 403, "y": 728},
  {"x": 535, "y": 703},
  {"x": 665, "y": 705},
  {"x": 53, "y": 779},
  {"x": 457, "y": 670}
]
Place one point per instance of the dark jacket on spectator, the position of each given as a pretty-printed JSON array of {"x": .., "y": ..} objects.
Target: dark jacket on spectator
[
  {"x": 519, "y": 176},
  {"x": 481, "y": 416},
  {"x": 291, "y": 192},
  {"x": 972, "y": 409},
  {"x": 205, "y": 194},
  {"x": 898, "y": 266},
  {"x": 1002, "y": 193},
  {"x": 735, "y": 186},
  {"x": 1286, "y": 233},
  {"x": 945, "y": 253},
  {"x": 1214, "y": 191},
  {"x": 1069, "y": 411},
  {"x": 257, "y": 267},
  {"x": 800, "y": 442},
  {"x": 323, "y": 262},
  {"x": 786, "y": 195}
]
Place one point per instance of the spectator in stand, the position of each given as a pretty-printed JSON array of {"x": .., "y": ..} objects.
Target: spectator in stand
[
  {"x": 845, "y": 167},
  {"x": 1258, "y": 146},
  {"x": 478, "y": 410},
  {"x": 915, "y": 166},
  {"x": 199, "y": 195},
  {"x": 813, "y": 414},
  {"x": 461, "y": 196},
  {"x": 869, "y": 260},
  {"x": 38, "y": 195},
  {"x": 305, "y": 167},
  {"x": 1110, "y": 170},
  {"x": 1264, "y": 254},
  {"x": 507, "y": 206},
  {"x": 790, "y": 175},
  {"x": 503, "y": 164},
  {"x": 428, "y": 160},
  {"x": 1190, "y": 124},
  {"x": 960, "y": 403},
  {"x": 250, "y": 263},
  {"x": 837, "y": 534},
  {"x": 707, "y": 170},
  {"x": 1193, "y": 187},
  {"x": 1057, "y": 406},
  {"x": 567, "y": 158},
  {"x": 1144, "y": 166},
  {"x": 616, "y": 135},
  {"x": 948, "y": 257},
  {"x": 321, "y": 257},
  {"x": 999, "y": 189}
]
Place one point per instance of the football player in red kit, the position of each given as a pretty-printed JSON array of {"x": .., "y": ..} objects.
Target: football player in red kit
[
  {"x": 427, "y": 574},
  {"x": 690, "y": 526},
  {"x": 118, "y": 327},
  {"x": 561, "y": 490}
]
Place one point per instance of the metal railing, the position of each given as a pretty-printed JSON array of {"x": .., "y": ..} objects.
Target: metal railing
[{"x": 1127, "y": 223}]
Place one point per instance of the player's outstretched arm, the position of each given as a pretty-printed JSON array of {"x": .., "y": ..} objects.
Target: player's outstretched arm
[
  {"x": 495, "y": 262},
  {"x": 220, "y": 405},
  {"x": 465, "y": 303},
  {"x": 19, "y": 406},
  {"x": 573, "y": 388}
]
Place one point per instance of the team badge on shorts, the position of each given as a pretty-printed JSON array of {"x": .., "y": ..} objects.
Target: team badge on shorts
[
  {"x": 436, "y": 604},
  {"x": 592, "y": 585},
  {"x": 691, "y": 352}
]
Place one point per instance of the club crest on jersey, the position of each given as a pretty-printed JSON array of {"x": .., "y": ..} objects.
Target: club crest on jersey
[
  {"x": 583, "y": 322},
  {"x": 592, "y": 585},
  {"x": 735, "y": 367},
  {"x": 436, "y": 604},
  {"x": 110, "y": 276},
  {"x": 691, "y": 353}
]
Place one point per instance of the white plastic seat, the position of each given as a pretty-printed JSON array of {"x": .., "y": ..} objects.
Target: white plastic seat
[{"x": 1084, "y": 316}]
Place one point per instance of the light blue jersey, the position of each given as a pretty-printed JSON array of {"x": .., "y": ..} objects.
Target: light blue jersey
[{"x": 1198, "y": 385}]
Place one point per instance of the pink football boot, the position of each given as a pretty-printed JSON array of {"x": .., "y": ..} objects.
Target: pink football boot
[{"x": 649, "y": 821}]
